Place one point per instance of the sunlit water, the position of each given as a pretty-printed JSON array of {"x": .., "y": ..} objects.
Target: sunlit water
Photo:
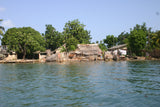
[{"x": 83, "y": 84}]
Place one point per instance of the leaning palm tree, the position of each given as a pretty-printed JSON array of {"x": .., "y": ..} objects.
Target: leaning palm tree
[{"x": 1, "y": 29}]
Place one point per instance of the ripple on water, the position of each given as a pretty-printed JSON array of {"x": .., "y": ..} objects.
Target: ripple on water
[{"x": 134, "y": 83}]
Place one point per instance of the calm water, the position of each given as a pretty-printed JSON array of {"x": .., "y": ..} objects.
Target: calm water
[{"x": 84, "y": 84}]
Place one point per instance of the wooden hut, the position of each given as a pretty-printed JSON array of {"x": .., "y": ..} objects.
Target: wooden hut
[{"x": 122, "y": 49}]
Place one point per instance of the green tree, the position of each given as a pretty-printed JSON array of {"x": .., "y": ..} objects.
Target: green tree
[
  {"x": 74, "y": 30},
  {"x": 137, "y": 40},
  {"x": 23, "y": 41},
  {"x": 110, "y": 41},
  {"x": 1, "y": 29},
  {"x": 71, "y": 44},
  {"x": 155, "y": 40},
  {"x": 122, "y": 38},
  {"x": 54, "y": 39},
  {"x": 102, "y": 46}
]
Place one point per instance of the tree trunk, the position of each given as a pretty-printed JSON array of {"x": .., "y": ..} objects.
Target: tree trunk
[
  {"x": 24, "y": 54},
  {"x": 24, "y": 51}
]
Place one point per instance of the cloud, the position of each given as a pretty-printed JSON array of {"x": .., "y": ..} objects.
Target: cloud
[
  {"x": 7, "y": 24},
  {"x": 2, "y": 9}
]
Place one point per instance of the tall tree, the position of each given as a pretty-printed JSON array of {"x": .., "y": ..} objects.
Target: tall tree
[
  {"x": 54, "y": 39},
  {"x": 122, "y": 38},
  {"x": 1, "y": 29},
  {"x": 75, "y": 30},
  {"x": 110, "y": 41},
  {"x": 137, "y": 39},
  {"x": 155, "y": 40},
  {"x": 23, "y": 41}
]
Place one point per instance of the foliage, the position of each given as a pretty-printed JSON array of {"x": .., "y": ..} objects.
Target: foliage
[
  {"x": 63, "y": 49},
  {"x": 137, "y": 40},
  {"x": 1, "y": 29},
  {"x": 155, "y": 40},
  {"x": 74, "y": 30},
  {"x": 122, "y": 38},
  {"x": 23, "y": 41},
  {"x": 54, "y": 39},
  {"x": 110, "y": 41},
  {"x": 102, "y": 46},
  {"x": 71, "y": 44}
]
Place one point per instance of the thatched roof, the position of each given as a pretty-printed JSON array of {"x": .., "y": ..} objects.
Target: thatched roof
[
  {"x": 88, "y": 49},
  {"x": 117, "y": 47},
  {"x": 51, "y": 58}
]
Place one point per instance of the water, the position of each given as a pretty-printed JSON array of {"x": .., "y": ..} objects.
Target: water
[{"x": 83, "y": 84}]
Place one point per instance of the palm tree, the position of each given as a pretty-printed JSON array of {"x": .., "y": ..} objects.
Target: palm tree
[
  {"x": 156, "y": 40},
  {"x": 1, "y": 29}
]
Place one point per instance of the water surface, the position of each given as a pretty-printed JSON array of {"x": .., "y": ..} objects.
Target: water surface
[{"x": 83, "y": 84}]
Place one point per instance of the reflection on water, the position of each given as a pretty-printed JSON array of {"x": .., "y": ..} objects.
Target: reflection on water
[{"x": 90, "y": 84}]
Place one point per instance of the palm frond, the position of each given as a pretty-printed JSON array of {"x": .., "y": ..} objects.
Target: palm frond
[{"x": 1, "y": 27}]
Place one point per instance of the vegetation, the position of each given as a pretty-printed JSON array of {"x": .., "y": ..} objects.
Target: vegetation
[
  {"x": 110, "y": 41},
  {"x": 102, "y": 46},
  {"x": 155, "y": 40},
  {"x": 53, "y": 38},
  {"x": 1, "y": 29},
  {"x": 122, "y": 38},
  {"x": 137, "y": 40},
  {"x": 74, "y": 34},
  {"x": 24, "y": 41}
]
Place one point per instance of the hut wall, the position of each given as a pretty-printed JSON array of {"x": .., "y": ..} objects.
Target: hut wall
[
  {"x": 42, "y": 56},
  {"x": 11, "y": 57}
]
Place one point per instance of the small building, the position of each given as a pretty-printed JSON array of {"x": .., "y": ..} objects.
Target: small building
[
  {"x": 119, "y": 49},
  {"x": 6, "y": 55},
  {"x": 41, "y": 55},
  {"x": 11, "y": 56}
]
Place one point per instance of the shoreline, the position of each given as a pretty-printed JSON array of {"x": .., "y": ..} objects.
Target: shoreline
[
  {"x": 20, "y": 61},
  {"x": 39, "y": 61}
]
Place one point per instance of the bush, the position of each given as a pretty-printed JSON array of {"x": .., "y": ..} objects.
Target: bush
[{"x": 71, "y": 44}]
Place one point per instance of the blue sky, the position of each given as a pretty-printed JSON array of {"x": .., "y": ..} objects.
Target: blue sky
[{"x": 101, "y": 17}]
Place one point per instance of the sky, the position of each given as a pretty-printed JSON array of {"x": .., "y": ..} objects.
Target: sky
[{"x": 101, "y": 17}]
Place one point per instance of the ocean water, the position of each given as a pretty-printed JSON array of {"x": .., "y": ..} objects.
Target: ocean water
[{"x": 81, "y": 84}]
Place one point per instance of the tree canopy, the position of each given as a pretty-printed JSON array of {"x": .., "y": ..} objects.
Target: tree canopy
[
  {"x": 155, "y": 40},
  {"x": 23, "y": 41},
  {"x": 137, "y": 39},
  {"x": 74, "y": 30},
  {"x": 122, "y": 38},
  {"x": 110, "y": 41},
  {"x": 102, "y": 46},
  {"x": 53, "y": 38},
  {"x": 1, "y": 29}
]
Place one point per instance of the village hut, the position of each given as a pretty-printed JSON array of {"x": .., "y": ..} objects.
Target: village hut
[
  {"x": 42, "y": 55},
  {"x": 5, "y": 54},
  {"x": 88, "y": 52},
  {"x": 116, "y": 52},
  {"x": 119, "y": 49},
  {"x": 85, "y": 52}
]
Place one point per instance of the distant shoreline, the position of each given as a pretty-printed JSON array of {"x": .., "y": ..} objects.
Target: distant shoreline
[{"x": 38, "y": 61}]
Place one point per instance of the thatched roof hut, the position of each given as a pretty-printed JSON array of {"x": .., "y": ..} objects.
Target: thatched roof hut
[{"x": 88, "y": 49}]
